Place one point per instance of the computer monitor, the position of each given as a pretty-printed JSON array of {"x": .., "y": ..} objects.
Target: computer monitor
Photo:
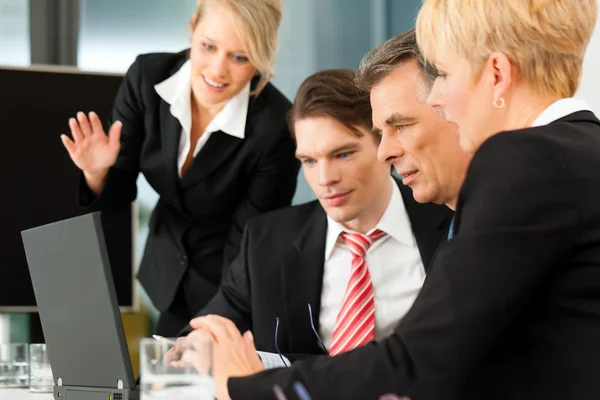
[{"x": 39, "y": 179}]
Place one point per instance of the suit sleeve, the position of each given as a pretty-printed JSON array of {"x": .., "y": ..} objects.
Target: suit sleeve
[
  {"x": 120, "y": 186},
  {"x": 232, "y": 301},
  {"x": 272, "y": 186},
  {"x": 517, "y": 226}
]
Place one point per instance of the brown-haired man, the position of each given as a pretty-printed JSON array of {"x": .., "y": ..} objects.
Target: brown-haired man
[{"x": 306, "y": 255}]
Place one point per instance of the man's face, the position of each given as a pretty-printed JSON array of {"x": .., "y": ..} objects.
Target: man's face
[
  {"x": 422, "y": 146},
  {"x": 342, "y": 169}
]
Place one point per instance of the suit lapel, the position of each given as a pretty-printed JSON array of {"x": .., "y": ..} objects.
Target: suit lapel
[
  {"x": 216, "y": 150},
  {"x": 220, "y": 145},
  {"x": 429, "y": 222},
  {"x": 170, "y": 133},
  {"x": 302, "y": 275}
]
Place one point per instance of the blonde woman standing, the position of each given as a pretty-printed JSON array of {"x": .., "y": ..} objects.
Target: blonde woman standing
[{"x": 209, "y": 133}]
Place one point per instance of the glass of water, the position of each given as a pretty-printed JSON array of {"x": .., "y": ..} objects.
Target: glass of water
[
  {"x": 14, "y": 365},
  {"x": 40, "y": 373},
  {"x": 176, "y": 370}
]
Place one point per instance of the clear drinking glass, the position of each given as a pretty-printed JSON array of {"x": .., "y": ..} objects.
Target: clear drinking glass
[
  {"x": 40, "y": 373},
  {"x": 173, "y": 370},
  {"x": 14, "y": 365}
]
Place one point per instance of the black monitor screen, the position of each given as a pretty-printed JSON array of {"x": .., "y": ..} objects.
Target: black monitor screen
[{"x": 39, "y": 180}]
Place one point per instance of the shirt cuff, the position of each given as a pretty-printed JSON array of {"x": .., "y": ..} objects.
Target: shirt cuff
[{"x": 273, "y": 360}]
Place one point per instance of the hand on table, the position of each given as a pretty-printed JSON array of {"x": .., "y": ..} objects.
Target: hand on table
[{"x": 234, "y": 354}]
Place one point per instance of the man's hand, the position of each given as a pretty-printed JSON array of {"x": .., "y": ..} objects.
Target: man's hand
[
  {"x": 191, "y": 351},
  {"x": 234, "y": 354}
]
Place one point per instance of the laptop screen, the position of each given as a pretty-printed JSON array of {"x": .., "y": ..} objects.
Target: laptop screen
[{"x": 76, "y": 298}]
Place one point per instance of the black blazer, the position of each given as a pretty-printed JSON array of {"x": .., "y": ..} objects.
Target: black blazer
[
  {"x": 511, "y": 309},
  {"x": 279, "y": 271},
  {"x": 199, "y": 218}
]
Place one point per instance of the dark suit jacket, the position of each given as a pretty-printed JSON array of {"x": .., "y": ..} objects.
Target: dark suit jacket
[
  {"x": 511, "y": 308},
  {"x": 199, "y": 218},
  {"x": 279, "y": 271}
]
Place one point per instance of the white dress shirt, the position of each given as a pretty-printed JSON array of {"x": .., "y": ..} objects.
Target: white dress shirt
[
  {"x": 177, "y": 91},
  {"x": 559, "y": 109},
  {"x": 394, "y": 263}
]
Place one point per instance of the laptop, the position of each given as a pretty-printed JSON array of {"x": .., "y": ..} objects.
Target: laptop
[{"x": 76, "y": 299}]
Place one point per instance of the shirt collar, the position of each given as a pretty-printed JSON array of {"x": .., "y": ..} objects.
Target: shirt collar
[
  {"x": 394, "y": 222},
  {"x": 559, "y": 109},
  {"x": 176, "y": 90}
]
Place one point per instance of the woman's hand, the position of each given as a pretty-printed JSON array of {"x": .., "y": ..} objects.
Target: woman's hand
[{"x": 92, "y": 151}]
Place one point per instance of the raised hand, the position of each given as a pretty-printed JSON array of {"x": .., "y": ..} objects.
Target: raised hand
[{"x": 92, "y": 151}]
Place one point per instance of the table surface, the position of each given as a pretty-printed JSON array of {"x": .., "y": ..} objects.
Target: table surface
[{"x": 23, "y": 394}]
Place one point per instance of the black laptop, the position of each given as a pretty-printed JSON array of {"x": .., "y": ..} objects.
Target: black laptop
[{"x": 76, "y": 299}]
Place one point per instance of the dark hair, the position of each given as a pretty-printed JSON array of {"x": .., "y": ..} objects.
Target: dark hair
[
  {"x": 332, "y": 93},
  {"x": 379, "y": 62}
]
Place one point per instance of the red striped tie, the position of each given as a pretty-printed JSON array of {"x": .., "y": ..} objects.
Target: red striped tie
[{"x": 355, "y": 324}]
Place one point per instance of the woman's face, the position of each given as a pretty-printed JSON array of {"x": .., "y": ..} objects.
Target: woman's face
[
  {"x": 220, "y": 64},
  {"x": 465, "y": 101}
]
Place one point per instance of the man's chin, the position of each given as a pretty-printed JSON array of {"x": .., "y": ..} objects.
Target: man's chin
[
  {"x": 422, "y": 197},
  {"x": 338, "y": 214}
]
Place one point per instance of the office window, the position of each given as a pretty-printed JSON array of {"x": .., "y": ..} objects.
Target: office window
[
  {"x": 14, "y": 33},
  {"x": 401, "y": 15},
  {"x": 114, "y": 32},
  {"x": 320, "y": 34}
]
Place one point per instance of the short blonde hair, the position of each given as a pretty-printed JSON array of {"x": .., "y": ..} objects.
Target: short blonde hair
[
  {"x": 257, "y": 23},
  {"x": 544, "y": 39}
]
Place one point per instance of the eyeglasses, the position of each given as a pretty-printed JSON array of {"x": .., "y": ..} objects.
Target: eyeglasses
[
  {"x": 299, "y": 388},
  {"x": 276, "y": 344},
  {"x": 314, "y": 329},
  {"x": 312, "y": 325}
]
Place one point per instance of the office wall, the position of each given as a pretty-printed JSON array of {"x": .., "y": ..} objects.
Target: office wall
[
  {"x": 401, "y": 15},
  {"x": 343, "y": 32},
  {"x": 590, "y": 84}
]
